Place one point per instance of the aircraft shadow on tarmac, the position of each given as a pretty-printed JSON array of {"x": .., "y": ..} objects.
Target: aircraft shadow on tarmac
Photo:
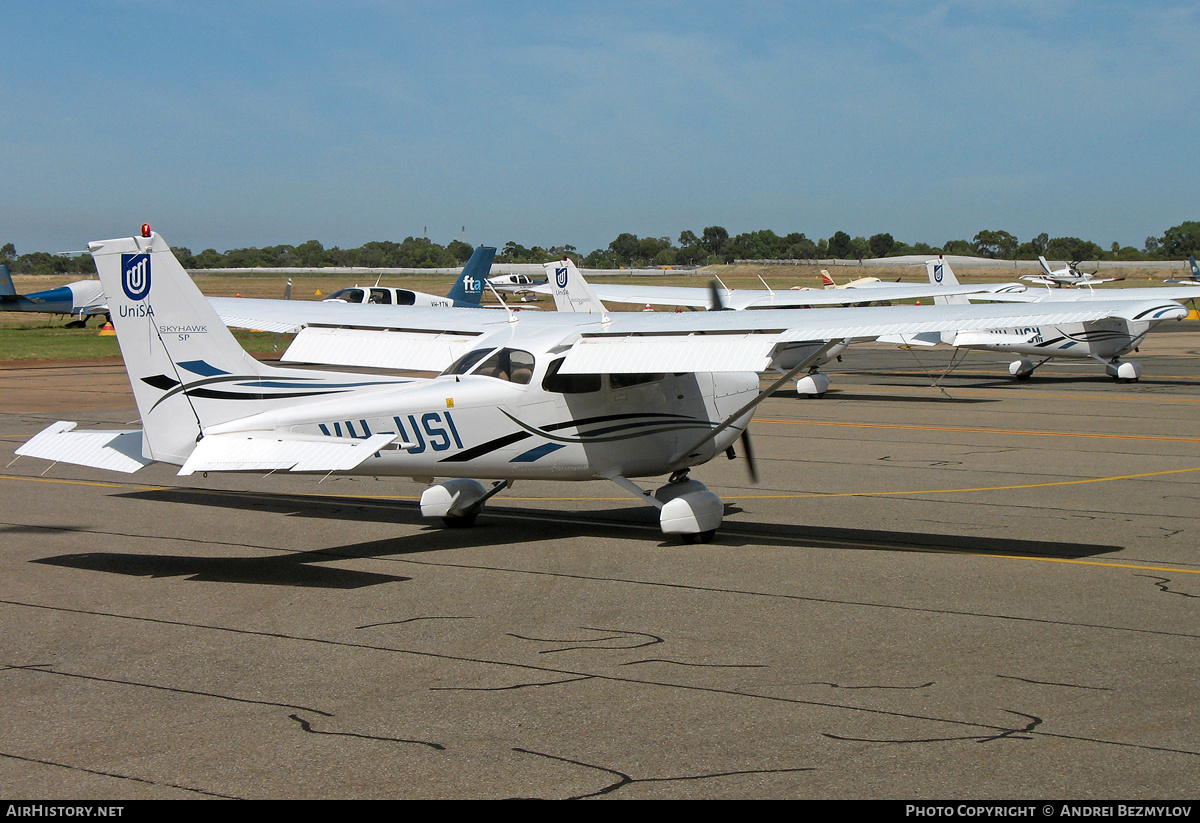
[
  {"x": 497, "y": 526},
  {"x": 281, "y": 570},
  {"x": 933, "y": 397}
]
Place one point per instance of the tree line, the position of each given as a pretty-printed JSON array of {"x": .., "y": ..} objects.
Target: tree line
[{"x": 713, "y": 245}]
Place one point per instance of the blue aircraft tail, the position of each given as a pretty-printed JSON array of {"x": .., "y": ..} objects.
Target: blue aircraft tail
[
  {"x": 1195, "y": 268},
  {"x": 468, "y": 289},
  {"x": 8, "y": 290}
]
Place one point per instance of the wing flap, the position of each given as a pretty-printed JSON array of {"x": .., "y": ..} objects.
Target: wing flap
[
  {"x": 670, "y": 353},
  {"x": 114, "y": 450},
  {"x": 377, "y": 348},
  {"x": 256, "y": 451}
]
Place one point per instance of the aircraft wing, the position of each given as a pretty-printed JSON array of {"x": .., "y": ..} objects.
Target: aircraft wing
[
  {"x": 631, "y": 342},
  {"x": 730, "y": 345},
  {"x": 646, "y": 295},
  {"x": 696, "y": 297},
  {"x": 1085, "y": 295},
  {"x": 281, "y": 450}
]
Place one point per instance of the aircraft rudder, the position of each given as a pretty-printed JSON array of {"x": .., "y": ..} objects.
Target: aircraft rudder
[
  {"x": 571, "y": 291},
  {"x": 1195, "y": 268},
  {"x": 170, "y": 337},
  {"x": 6, "y": 283},
  {"x": 468, "y": 288}
]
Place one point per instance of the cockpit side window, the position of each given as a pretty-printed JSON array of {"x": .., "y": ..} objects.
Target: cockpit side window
[
  {"x": 513, "y": 365},
  {"x": 569, "y": 383},
  {"x": 380, "y": 296}
]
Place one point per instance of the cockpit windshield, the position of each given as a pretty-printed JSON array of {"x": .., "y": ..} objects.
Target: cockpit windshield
[{"x": 347, "y": 296}]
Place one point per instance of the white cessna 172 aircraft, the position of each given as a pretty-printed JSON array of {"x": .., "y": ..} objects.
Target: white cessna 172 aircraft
[
  {"x": 546, "y": 395},
  {"x": 1104, "y": 340}
]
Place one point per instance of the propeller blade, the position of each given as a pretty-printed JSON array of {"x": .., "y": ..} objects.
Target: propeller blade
[
  {"x": 715, "y": 301},
  {"x": 751, "y": 466}
]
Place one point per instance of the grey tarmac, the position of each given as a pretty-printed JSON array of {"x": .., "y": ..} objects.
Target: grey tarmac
[{"x": 978, "y": 589}]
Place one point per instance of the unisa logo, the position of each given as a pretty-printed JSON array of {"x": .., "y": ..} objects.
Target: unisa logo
[
  {"x": 560, "y": 277},
  {"x": 135, "y": 275},
  {"x": 937, "y": 272}
]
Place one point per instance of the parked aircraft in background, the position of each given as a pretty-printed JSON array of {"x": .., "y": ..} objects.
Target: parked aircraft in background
[
  {"x": 1104, "y": 340},
  {"x": 466, "y": 291},
  {"x": 827, "y": 282},
  {"x": 1066, "y": 276},
  {"x": 81, "y": 299},
  {"x": 696, "y": 297},
  {"x": 541, "y": 395},
  {"x": 580, "y": 295},
  {"x": 1194, "y": 280},
  {"x": 515, "y": 283}
]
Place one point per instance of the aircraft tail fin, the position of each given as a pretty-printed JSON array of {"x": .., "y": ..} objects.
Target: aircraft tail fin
[
  {"x": 940, "y": 274},
  {"x": 827, "y": 281},
  {"x": 1195, "y": 268},
  {"x": 571, "y": 291},
  {"x": 468, "y": 289},
  {"x": 1045, "y": 266},
  {"x": 187, "y": 370},
  {"x": 8, "y": 290}
]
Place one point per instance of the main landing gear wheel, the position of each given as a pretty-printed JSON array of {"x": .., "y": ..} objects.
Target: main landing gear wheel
[
  {"x": 1124, "y": 371},
  {"x": 699, "y": 537},
  {"x": 464, "y": 521}
]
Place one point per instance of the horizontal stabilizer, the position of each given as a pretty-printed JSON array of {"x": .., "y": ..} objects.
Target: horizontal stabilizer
[
  {"x": 281, "y": 451},
  {"x": 378, "y": 348},
  {"x": 115, "y": 450},
  {"x": 235, "y": 321}
]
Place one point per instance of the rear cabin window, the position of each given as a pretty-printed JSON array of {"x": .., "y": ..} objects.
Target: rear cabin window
[
  {"x": 623, "y": 381},
  {"x": 569, "y": 383}
]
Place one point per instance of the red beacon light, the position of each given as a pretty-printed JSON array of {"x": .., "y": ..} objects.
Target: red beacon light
[{"x": 145, "y": 230}]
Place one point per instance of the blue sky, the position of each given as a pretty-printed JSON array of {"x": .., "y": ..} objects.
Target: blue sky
[{"x": 231, "y": 124}]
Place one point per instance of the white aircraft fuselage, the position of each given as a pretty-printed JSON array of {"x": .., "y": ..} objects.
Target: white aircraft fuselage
[{"x": 486, "y": 427}]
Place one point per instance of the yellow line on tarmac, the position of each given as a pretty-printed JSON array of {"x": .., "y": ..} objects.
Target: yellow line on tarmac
[
  {"x": 795, "y": 496},
  {"x": 1091, "y": 563},
  {"x": 66, "y": 482},
  {"x": 963, "y": 490},
  {"x": 958, "y": 390},
  {"x": 971, "y": 430}
]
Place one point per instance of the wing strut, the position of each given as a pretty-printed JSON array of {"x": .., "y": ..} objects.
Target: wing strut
[{"x": 676, "y": 460}]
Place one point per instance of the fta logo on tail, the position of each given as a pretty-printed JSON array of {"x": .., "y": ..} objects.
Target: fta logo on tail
[
  {"x": 472, "y": 285},
  {"x": 135, "y": 275}
]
